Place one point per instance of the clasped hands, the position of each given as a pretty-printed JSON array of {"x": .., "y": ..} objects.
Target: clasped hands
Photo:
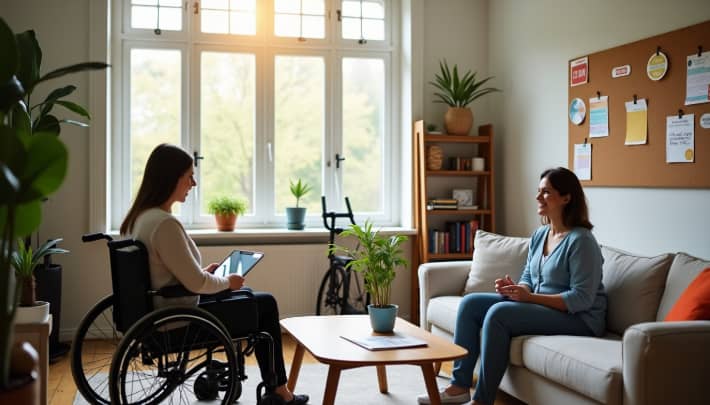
[{"x": 516, "y": 292}]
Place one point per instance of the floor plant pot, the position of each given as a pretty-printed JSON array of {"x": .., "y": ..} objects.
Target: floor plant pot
[
  {"x": 295, "y": 218},
  {"x": 382, "y": 318},
  {"x": 458, "y": 121},
  {"x": 48, "y": 279},
  {"x": 225, "y": 223},
  {"x": 37, "y": 313}
]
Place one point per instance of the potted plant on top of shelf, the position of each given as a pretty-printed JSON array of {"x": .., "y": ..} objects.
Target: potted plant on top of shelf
[
  {"x": 376, "y": 258},
  {"x": 25, "y": 261},
  {"x": 33, "y": 164},
  {"x": 458, "y": 93},
  {"x": 296, "y": 216},
  {"x": 226, "y": 210}
]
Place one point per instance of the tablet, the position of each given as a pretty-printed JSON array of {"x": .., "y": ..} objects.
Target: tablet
[{"x": 238, "y": 262}]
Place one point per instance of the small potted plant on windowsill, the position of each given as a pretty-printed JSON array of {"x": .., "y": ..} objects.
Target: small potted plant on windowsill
[
  {"x": 226, "y": 210},
  {"x": 25, "y": 261},
  {"x": 458, "y": 93},
  {"x": 376, "y": 257},
  {"x": 296, "y": 216}
]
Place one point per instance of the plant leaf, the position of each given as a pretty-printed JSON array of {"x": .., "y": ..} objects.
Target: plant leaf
[
  {"x": 78, "y": 67},
  {"x": 28, "y": 216},
  {"x": 47, "y": 123},
  {"x": 74, "y": 122},
  {"x": 74, "y": 108},
  {"x": 46, "y": 166},
  {"x": 8, "y": 52},
  {"x": 55, "y": 95},
  {"x": 21, "y": 119},
  {"x": 30, "y": 59}
]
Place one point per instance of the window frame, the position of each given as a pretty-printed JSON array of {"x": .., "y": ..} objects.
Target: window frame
[{"x": 265, "y": 46}]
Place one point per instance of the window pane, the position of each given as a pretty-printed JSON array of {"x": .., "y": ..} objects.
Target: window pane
[
  {"x": 313, "y": 27},
  {"x": 363, "y": 132},
  {"x": 316, "y": 7},
  {"x": 373, "y": 9},
  {"x": 215, "y": 4},
  {"x": 170, "y": 18},
  {"x": 145, "y": 2},
  {"x": 373, "y": 29},
  {"x": 287, "y": 6},
  {"x": 154, "y": 105},
  {"x": 351, "y": 28},
  {"x": 161, "y": 16},
  {"x": 144, "y": 17},
  {"x": 214, "y": 22},
  {"x": 243, "y": 5},
  {"x": 242, "y": 23},
  {"x": 172, "y": 3},
  {"x": 286, "y": 25},
  {"x": 351, "y": 9},
  {"x": 228, "y": 103},
  {"x": 299, "y": 97}
]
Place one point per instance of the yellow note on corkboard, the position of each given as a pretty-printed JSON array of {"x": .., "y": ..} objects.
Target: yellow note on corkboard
[{"x": 636, "y": 122}]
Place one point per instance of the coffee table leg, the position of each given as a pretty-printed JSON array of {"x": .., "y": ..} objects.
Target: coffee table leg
[
  {"x": 295, "y": 367},
  {"x": 430, "y": 379},
  {"x": 331, "y": 386},
  {"x": 382, "y": 379}
]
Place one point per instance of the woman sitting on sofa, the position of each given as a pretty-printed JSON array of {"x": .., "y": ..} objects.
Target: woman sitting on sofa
[
  {"x": 560, "y": 292},
  {"x": 174, "y": 258}
]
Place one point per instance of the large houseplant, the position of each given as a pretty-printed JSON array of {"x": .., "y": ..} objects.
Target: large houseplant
[
  {"x": 33, "y": 160},
  {"x": 226, "y": 210},
  {"x": 376, "y": 257},
  {"x": 296, "y": 216},
  {"x": 458, "y": 93}
]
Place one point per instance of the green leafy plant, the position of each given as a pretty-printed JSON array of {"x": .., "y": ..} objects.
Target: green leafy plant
[
  {"x": 25, "y": 260},
  {"x": 33, "y": 160},
  {"x": 376, "y": 258},
  {"x": 455, "y": 91},
  {"x": 299, "y": 189},
  {"x": 227, "y": 206}
]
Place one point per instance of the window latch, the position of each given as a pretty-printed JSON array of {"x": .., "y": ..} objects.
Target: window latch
[
  {"x": 197, "y": 157},
  {"x": 338, "y": 159},
  {"x": 196, "y": 8}
]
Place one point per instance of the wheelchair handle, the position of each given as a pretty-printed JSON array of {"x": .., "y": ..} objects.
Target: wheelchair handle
[{"x": 91, "y": 237}]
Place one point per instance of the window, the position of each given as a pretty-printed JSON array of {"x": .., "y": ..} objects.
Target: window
[{"x": 261, "y": 92}]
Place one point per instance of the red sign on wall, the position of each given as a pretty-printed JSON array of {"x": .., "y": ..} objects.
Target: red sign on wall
[{"x": 578, "y": 71}]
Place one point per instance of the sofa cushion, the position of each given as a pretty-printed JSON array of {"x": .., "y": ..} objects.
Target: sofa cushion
[
  {"x": 694, "y": 303},
  {"x": 494, "y": 256},
  {"x": 590, "y": 366},
  {"x": 684, "y": 269},
  {"x": 634, "y": 285}
]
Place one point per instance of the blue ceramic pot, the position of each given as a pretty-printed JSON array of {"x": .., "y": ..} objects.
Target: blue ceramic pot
[
  {"x": 295, "y": 218},
  {"x": 382, "y": 318}
]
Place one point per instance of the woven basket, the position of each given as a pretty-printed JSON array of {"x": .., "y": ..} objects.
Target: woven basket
[{"x": 434, "y": 157}]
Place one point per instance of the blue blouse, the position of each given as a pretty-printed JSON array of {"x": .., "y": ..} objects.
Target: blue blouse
[{"x": 573, "y": 270}]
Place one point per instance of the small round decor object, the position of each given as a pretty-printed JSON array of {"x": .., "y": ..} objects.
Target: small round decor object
[
  {"x": 434, "y": 157},
  {"x": 657, "y": 66},
  {"x": 577, "y": 111}
]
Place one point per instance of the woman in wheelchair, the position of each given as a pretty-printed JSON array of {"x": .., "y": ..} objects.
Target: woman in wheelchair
[{"x": 174, "y": 258}]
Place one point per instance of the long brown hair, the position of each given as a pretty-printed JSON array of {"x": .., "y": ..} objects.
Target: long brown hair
[
  {"x": 575, "y": 213},
  {"x": 166, "y": 164}
]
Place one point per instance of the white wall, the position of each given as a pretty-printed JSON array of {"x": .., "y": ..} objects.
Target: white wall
[{"x": 529, "y": 47}]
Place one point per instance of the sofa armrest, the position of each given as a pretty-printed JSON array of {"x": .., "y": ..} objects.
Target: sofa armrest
[
  {"x": 666, "y": 362},
  {"x": 437, "y": 279}
]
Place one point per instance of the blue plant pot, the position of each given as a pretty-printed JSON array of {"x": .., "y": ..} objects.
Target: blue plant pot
[
  {"x": 295, "y": 218},
  {"x": 382, "y": 318}
]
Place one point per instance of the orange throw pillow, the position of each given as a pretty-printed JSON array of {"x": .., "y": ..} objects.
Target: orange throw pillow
[{"x": 694, "y": 303}]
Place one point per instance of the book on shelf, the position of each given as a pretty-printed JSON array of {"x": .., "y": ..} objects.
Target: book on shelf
[
  {"x": 442, "y": 204},
  {"x": 456, "y": 238},
  {"x": 395, "y": 340}
]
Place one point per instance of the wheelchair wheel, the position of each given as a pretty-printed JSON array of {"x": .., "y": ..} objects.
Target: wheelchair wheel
[
  {"x": 331, "y": 299},
  {"x": 92, "y": 350},
  {"x": 174, "y": 355}
]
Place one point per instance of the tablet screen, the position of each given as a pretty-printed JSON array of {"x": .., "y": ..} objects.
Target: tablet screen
[{"x": 238, "y": 262}]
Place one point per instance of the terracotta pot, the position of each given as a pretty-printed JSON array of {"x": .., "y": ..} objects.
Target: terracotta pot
[
  {"x": 458, "y": 121},
  {"x": 225, "y": 223}
]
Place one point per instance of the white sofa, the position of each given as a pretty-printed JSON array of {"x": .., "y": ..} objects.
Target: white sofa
[{"x": 641, "y": 360}]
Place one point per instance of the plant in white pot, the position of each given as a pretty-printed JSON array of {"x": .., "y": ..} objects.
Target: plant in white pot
[
  {"x": 226, "y": 210},
  {"x": 376, "y": 257},
  {"x": 458, "y": 93},
  {"x": 296, "y": 216},
  {"x": 25, "y": 261}
]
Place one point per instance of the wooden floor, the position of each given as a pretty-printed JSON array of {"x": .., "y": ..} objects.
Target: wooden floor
[{"x": 61, "y": 389}]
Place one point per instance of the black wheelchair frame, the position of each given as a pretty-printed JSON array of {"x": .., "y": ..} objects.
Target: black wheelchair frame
[
  {"x": 154, "y": 355},
  {"x": 341, "y": 292}
]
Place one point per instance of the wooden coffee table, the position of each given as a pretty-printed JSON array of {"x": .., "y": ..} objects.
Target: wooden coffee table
[{"x": 320, "y": 335}]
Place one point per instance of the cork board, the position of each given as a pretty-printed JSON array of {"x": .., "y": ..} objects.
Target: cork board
[{"x": 617, "y": 165}]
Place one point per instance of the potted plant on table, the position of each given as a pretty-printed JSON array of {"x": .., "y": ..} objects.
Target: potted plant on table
[
  {"x": 376, "y": 257},
  {"x": 296, "y": 216},
  {"x": 33, "y": 164},
  {"x": 458, "y": 93},
  {"x": 226, "y": 210}
]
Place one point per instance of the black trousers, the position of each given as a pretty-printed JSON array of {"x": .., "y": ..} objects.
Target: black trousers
[{"x": 238, "y": 317}]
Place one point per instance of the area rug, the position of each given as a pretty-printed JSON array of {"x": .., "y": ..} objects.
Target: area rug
[{"x": 356, "y": 387}]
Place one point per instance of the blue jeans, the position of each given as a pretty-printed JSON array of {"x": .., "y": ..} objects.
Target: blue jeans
[{"x": 485, "y": 324}]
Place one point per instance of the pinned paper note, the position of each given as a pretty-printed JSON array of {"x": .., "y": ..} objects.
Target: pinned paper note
[
  {"x": 583, "y": 161},
  {"x": 697, "y": 82},
  {"x": 598, "y": 117},
  {"x": 680, "y": 139},
  {"x": 636, "y": 122}
]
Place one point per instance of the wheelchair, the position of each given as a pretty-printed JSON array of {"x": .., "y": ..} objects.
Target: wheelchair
[{"x": 126, "y": 352}]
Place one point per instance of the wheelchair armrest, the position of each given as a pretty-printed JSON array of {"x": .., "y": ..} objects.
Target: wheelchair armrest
[
  {"x": 228, "y": 294},
  {"x": 173, "y": 291}
]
